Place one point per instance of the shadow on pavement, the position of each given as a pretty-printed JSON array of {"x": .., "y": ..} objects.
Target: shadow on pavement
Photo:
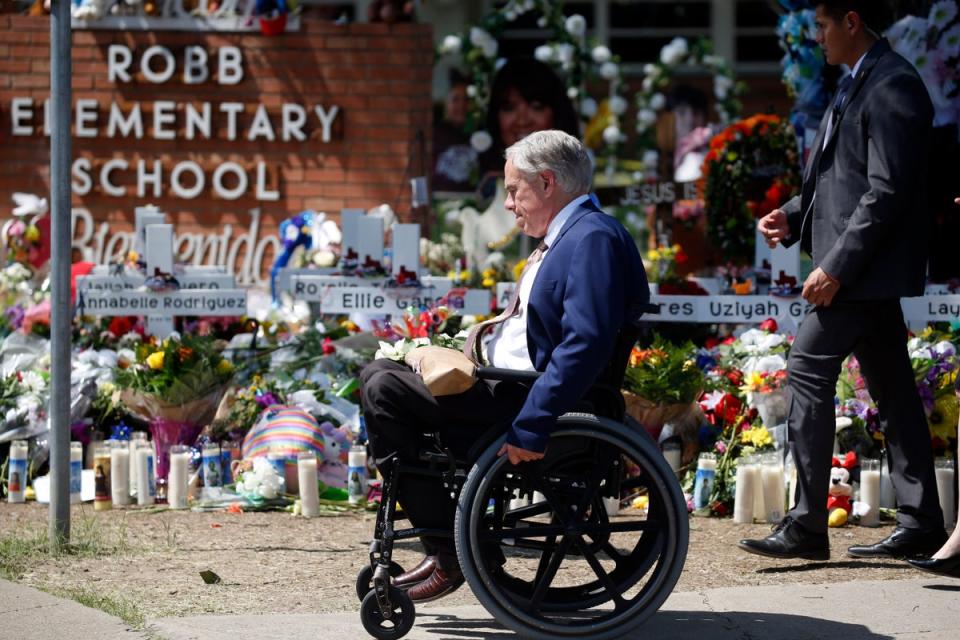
[
  {"x": 678, "y": 625},
  {"x": 846, "y": 564},
  {"x": 943, "y": 587}
]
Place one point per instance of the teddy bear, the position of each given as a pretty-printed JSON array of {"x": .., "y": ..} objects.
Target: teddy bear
[{"x": 840, "y": 493}]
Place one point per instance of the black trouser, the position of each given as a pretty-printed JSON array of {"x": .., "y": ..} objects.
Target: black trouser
[
  {"x": 875, "y": 333},
  {"x": 398, "y": 408}
]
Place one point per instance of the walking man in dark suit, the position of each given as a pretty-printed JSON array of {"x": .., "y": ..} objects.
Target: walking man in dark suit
[
  {"x": 581, "y": 285},
  {"x": 862, "y": 216}
]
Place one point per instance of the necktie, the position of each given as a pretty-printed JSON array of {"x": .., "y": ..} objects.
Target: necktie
[
  {"x": 472, "y": 347},
  {"x": 842, "y": 90}
]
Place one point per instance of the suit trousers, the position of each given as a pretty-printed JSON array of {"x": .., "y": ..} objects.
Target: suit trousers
[
  {"x": 399, "y": 409},
  {"x": 875, "y": 333}
]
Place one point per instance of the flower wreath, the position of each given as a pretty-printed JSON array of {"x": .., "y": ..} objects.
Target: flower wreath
[
  {"x": 650, "y": 99},
  {"x": 752, "y": 168},
  {"x": 576, "y": 58}
]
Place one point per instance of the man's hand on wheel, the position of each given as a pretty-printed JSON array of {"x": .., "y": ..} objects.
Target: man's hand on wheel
[{"x": 518, "y": 455}]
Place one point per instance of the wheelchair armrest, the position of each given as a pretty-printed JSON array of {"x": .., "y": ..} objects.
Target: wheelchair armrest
[{"x": 507, "y": 375}]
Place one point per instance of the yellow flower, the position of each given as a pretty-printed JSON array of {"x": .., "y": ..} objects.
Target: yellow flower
[
  {"x": 949, "y": 381},
  {"x": 753, "y": 382},
  {"x": 488, "y": 283},
  {"x": 758, "y": 437},
  {"x": 155, "y": 360},
  {"x": 943, "y": 418},
  {"x": 452, "y": 274},
  {"x": 465, "y": 274},
  {"x": 32, "y": 234},
  {"x": 224, "y": 366}
]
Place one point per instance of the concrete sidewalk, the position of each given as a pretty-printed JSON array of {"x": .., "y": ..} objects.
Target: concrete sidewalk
[
  {"x": 29, "y": 614},
  {"x": 928, "y": 609}
]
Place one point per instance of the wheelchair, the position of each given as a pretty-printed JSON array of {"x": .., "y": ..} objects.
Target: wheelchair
[{"x": 534, "y": 541}]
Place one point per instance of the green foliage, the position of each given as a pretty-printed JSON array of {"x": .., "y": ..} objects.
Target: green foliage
[{"x": 664, "y": 373}]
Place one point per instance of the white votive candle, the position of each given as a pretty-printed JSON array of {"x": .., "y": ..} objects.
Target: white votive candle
[
  {"x": 119, "y": 472},
  {"x": 146, "y": 480},
  {"x": 179, "y": 476},
  {"x": 17, "y": 471},
  {"x": 743, "y": 497},
  {"x": 870, "y": 491},
  {"x": 774, "y": 492},
  {"x": 137, "y": 438},
  {"x": 307, "y": 478},
  {"x": 946, "y": 484}
]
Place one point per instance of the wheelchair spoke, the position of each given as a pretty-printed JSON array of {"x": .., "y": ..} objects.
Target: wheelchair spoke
[
  {"x": 544, "y": 579},
  {"x": 538, "y": 531},
  {"x": 598, "y": 569},
  {"x": 592, "y": 529}
]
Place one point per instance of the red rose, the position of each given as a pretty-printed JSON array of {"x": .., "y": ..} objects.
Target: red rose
[
  {"x": 328, "y": 347},
  {"x": 769, "y": 325}
]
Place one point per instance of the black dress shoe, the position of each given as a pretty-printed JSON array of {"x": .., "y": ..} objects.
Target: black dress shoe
[
  {"x": 903, "y": 543},
  {"x": 790, "y": 540},
  {"x": 416, "y": 575},
  {"x": 949, "y": 567}
]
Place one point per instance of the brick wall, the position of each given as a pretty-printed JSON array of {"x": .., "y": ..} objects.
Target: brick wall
[{"x": 378, "y": 75}]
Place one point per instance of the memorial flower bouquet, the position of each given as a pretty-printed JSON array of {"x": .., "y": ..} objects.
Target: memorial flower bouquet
[
  {"x": 661, "y": 384},
  {"x": 935, "y": 365},
  {"x": 752, "y": 168},
  {"x": 175, "y": 385},
  {"x": 662, "y": 264},
  {"x": 761, "y": 355}
]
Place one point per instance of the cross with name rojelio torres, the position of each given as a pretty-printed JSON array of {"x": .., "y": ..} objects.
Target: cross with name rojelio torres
[{"x": 119, "y": 290}]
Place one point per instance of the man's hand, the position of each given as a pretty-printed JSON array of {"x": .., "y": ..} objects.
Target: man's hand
[
  {"x": 774, "y": 227},
  {"x": 820, "y": 288},
  {"x": 518, "y": 455}
]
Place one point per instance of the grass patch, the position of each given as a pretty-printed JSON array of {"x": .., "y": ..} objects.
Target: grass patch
[
  {"x": 126, "y": 610},
  {"x": 21, "y": 551}
]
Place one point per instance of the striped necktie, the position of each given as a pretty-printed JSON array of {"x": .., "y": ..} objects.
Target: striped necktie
[{"x": 472, "y": 348}]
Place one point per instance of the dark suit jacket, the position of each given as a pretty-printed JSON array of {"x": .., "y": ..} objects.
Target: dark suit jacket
[
  {"x": 868, "y": 225},
  {"x": 590, "y": 283}
]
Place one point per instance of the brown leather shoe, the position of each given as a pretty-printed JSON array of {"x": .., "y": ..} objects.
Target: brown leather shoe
[
  {"x": 416, "y": 575},
  {"x": 440, "y": 583}
]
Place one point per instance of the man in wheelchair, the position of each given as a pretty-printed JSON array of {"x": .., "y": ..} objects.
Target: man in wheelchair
[{"x": 581, "y": 286}]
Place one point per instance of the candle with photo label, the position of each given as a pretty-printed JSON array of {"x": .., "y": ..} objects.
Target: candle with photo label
[{"x": 17, "y": 471}]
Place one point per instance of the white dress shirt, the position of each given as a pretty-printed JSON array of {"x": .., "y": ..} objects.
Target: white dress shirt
[{"x": 507, "y": 345}]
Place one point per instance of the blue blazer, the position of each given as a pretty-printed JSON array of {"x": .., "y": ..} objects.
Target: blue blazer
[{"x": 585, "y": 290}]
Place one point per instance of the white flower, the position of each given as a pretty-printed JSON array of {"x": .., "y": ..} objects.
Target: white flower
[
  {"x": 510, "y": 16},
  {"x": 647, "y": 84},
  {"x": 609, "y": 70},
  {"x": 914, "y": 343},
  {"x": 588, "y": 107},
  {"x": 33, "y": 382},
  {"x": 601, "y": 54},
  {"x": 543, "y": 53},
  {"x": 451, "y": 45},
  {"x": 472, "y": 90},
  {"x": 649, "y": 69},
  {"x": 576, "y": 25},
  {"x": 647, "y": 116},
  {"x": 712, "y": 61},
  {"x": 770, "y": 364},
  {"x": 611, "y": 135},
  {"x": 484, "y": 41},
  {"x": 942, "y": 13},
  {"x": 944, "y": 349},
  {"x": 658, "y": 102},
  {"x": 573, "y": 92},
  {"x": 675, "y": 52},
  {"x": 651, "y": 158},
  {"x": 565, "y": 52},
  {"x": 921, "y": 354},
  {"x": 618, "y": 105},
  {"x": 638, "y": 176},
  {"x": 722, "y": 86},
  {"x": 481, "y": 141},
  {"x": 499, "y": 64}
]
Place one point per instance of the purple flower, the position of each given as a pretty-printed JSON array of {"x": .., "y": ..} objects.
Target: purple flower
[
  {"x": 926, "y": 395},
  {"x": 15, "y": 316},
  {"x": 266, "y": 399}
]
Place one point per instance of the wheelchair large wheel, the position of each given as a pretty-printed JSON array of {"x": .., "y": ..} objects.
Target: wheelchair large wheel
[{"x": 561, "y": 567}]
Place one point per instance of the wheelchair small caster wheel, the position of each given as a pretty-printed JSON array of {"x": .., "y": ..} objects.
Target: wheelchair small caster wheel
[
  {"x": 397, "y": 625},
  {"x": 365, "y": 579}
]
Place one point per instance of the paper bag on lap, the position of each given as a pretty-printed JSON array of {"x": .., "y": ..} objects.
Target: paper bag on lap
[{"x": 446, "y": 372}]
